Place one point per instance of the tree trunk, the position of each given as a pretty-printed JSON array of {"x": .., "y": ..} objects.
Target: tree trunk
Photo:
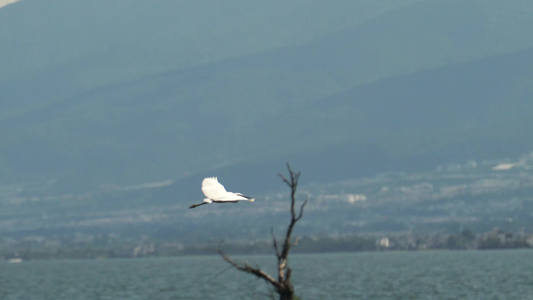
[
  {"x": 285, "y": 295},
  {"x": 286, "y": 292}
]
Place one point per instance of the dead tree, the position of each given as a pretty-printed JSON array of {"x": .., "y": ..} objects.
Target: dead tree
[{"x": 282, "y": 284}]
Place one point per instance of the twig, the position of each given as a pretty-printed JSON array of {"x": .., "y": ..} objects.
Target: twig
[{"x": 274, "y": 242}]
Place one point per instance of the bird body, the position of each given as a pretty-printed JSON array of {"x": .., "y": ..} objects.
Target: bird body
[{"x": 215, "y": 192}]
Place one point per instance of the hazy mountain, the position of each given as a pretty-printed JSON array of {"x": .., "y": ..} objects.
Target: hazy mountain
[
  {"x": 63, "y": 47},
  {"x": 105, "y": 92},
  {"x": 471, "y": 111}
]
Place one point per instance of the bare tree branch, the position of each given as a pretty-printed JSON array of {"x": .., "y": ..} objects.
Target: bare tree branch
[
  {"x": 296, "y": 241},
  {"x": 302, "y": 209},
  {"x": 274, "y": 242},
  {"x": 283, "y": 284},
  {"x": 248, "y": 269}
]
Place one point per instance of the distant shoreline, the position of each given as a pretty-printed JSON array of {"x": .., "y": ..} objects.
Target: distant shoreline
[
  {"x": 200, "y": 251},
  {"x": 197, "y": 255}
]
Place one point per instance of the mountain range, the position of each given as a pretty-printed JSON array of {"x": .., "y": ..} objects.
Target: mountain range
[{"x": 106, "y": 93}]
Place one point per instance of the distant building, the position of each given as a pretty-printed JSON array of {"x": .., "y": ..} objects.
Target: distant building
[
  {"x": 503, "y": 167},
  {"x": 352, "y": 198},
  {"x": 384, "y": 242}
]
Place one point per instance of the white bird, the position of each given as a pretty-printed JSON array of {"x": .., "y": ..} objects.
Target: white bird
[{"x": 215, "y": 192}]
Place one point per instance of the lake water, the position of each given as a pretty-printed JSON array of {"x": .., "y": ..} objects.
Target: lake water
[{"x": 376, "y": 275}]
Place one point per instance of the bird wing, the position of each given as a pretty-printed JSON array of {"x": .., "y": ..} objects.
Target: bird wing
[
  {"x": 213, "y": 189},
  {"x": 229, "y": 197}
]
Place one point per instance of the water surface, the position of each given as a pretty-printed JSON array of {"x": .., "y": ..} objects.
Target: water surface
[{"x": 376, "y": 275}]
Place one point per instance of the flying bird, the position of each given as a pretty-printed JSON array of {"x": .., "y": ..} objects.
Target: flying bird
[{"x": 215, "y": 192}]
